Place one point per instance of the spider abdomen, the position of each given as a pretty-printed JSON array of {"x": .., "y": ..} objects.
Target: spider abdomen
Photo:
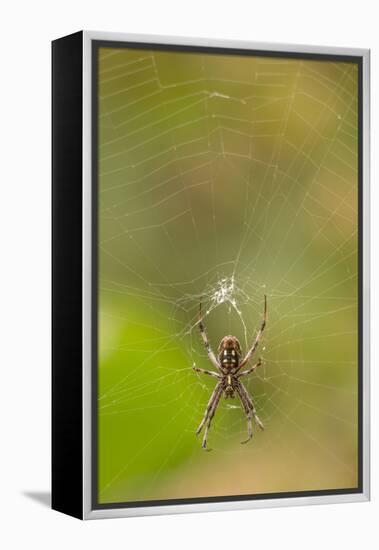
[{"x": 229, "y": 359}]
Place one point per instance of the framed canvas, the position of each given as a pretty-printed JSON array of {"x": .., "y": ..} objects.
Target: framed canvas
[{"x": 210, "y": 275}]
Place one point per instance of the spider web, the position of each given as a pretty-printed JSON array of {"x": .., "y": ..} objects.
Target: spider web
[{"x": 221, "y": 179}]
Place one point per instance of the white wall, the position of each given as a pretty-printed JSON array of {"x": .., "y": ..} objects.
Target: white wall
[{"x": 27, "y": 28}]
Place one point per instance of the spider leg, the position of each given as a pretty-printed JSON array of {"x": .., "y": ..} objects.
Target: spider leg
[
  {"x": 249, "y": 415},
  {"x": 210, "y": 416},
  {"x": 242, "y": 391},
  {"x": 251, "y": 369},
  {"x": 211, "y": 373},
  {"x": 204, "y": 336},
  {"x": 216, "y": 391},
  {"x": 251, "y": 351}
]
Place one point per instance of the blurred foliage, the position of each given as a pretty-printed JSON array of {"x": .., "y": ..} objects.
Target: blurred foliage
[{"x": 212, "y": 166}]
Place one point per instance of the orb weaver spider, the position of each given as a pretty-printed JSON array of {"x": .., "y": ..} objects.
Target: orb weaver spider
[{"x": 228, "y": 366}]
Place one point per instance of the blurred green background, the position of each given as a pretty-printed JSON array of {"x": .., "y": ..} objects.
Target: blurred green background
[{"x": 235, "y": 175}]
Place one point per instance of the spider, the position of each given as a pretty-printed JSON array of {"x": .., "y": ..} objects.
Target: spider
[{"x": 229, "y": 365}]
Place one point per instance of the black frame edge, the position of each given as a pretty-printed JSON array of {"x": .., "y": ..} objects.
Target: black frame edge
[{"x": 67, "y": 415}]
